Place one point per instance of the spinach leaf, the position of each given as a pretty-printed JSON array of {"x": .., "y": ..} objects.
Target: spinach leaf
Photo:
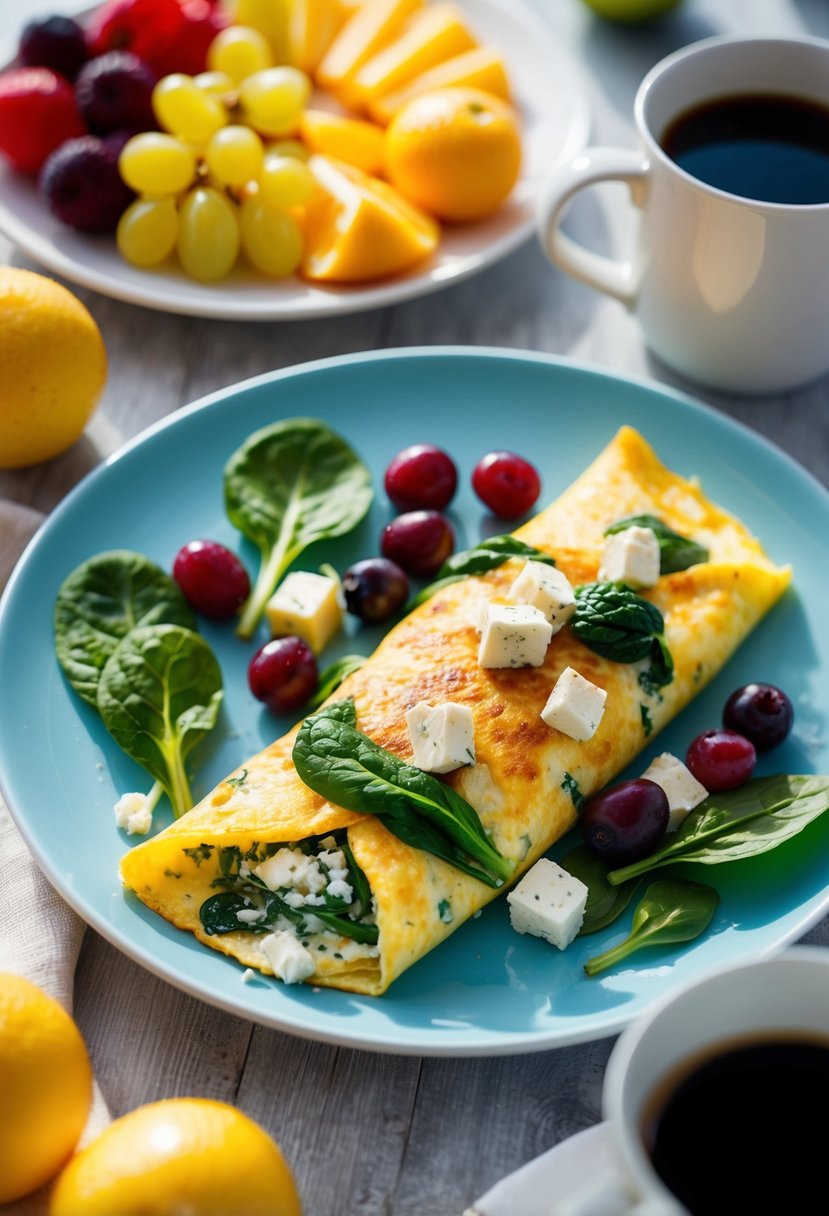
[
  {"x": 218, "y": 915},
  {"x": 676, "y": 552},
  {"x": 290, "y": 484},
  {"x": 622, "y": 626},
  {"x": 604, "y": 902},
  {"x": 332, "y": 677},
  {"x": 739, "y": 823},
  {"x": 487, "y": 555},
  {"x": 337, "y": 761},
  {"x": 672, "y": 910},
  {"x": 158, "y": 696},
  {"x": 100, "y": 602}
]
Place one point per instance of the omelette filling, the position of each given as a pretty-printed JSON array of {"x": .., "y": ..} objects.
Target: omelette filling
[{"x": 302, "y": 898}]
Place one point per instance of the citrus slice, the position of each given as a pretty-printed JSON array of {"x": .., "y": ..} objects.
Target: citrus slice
[
  {"x": 350, "y": 139},
  {"x": 430, "y": 36},
  {"x": 480, "y": 68},
  {"x": 371, "y": 26},
  {"x": 314, "y": 26},
  {"x": 358, "y": 228}
]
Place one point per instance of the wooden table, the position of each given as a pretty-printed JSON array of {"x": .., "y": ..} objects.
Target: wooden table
[{"x": 373, "y": 1134}]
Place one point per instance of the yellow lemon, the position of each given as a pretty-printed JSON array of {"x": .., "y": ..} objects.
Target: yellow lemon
[
  {"x": 45, "y": 1083},
  {"x": 178, "y": 1155},
  {"x": 53, "y": 368}
]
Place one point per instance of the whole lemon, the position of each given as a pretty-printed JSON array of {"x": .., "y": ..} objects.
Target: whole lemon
[
  {"x": 178, "y": 1155},
  {"x": 53, "y": 367},
  {"x": 45, "y": 1087}
]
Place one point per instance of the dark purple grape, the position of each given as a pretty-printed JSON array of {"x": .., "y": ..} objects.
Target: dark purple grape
[
  {"x": 54, "y": 42},
  {"x": 82, "y": 186},
  {"x": 374, "y": 589},
  {"x": 625, "y": 822},
  {"x": 721, "y": 759},
  {"x": 283, "y": 674},
  {"x": 211, "y": 578},
  {"x": 115, "y": 91},
  {"x": 761, "y": 712},
  {"x": 419, "y": 541},
  {"x": 421, "y": 477}
]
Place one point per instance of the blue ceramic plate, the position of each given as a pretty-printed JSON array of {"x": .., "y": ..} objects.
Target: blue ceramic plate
[{"x": 486, "y": 990}]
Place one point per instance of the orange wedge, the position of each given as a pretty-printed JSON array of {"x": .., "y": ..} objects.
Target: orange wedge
[
  {"x": 371, "y": 26},
  {"x": 480, "y": 68},
  {"x": 349, "y": 139},
  {"x": 358, "y": 228},
  {"x": 314, "y": 25},
  {"x": 430, "y": 36}
]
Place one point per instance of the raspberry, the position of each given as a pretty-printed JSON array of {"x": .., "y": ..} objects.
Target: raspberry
[
  {"x": 82, "y": 185},
  {"x": 147, "y": 28},
  {"x": 38, "y": 112}
]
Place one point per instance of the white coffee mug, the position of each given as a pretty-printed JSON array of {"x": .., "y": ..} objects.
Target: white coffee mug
[
  {"x": 785, "y": 995},
  {"x": 730, "y": 291}
]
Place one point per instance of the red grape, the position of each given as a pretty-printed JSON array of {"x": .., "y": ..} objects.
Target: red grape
[
  {"x": 508, "y": 484},
  {"x": 421, "y": 477},
  {"x": 283, "y": 674},
  {"x": 419, "y": 541},
  {"x": 761, "y": 712},
  {"x": 374, "y": 589},
  {"x": 625, "y": 822},
  {"x": 212, "y": 578},
  {"x": 721, "y": 759}
]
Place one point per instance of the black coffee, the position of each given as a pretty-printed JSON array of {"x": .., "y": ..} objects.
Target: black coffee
[
  {"x": 761, "y": 146},
  {"x": 744, "y": 1131}
]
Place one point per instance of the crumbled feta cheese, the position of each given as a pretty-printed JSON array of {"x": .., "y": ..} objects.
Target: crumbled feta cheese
[
  {"x": 548, "y": 902},
  {"x": 339, "y": 889},
  {"x": 514, "y": 635},
  {"x": 442, "y": 736},
  {"x": 631, "y": 557},
  {"x": 133, "y": 814},
  {"x": 292, "y": 868},
  {"x": 248, "y": 975},
  {"x": 575, "y": 706},
  {"x": 681, "y": 787},
  {"x": 290, "y": 961},
  {"x": 305, "y": 605},
  {"x": 250, "y": 916},
  {"x": 547, "y": 589}
]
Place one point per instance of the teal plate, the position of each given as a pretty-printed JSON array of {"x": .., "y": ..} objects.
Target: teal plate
[{"x": 487, "y": 990}]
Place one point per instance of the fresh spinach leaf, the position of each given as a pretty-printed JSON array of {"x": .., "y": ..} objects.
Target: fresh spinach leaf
[
  {"x": 676, "y": 552},
  {"x": 487, "y": 555},
  {"x": 290, "y": 484},
  {"x": 218, "y": 915},
  {"x": 672, "y": 910},
  {"x": 622, "y": 626},
  {"x": 158, "y": 696},
  {"x": 604, "y": 902},
  {"x": 739, "y": 823},
  {"x": 332, "y": 677},
  {"x": 337, "y": 761},
  {"x": 100, "y": 602}
]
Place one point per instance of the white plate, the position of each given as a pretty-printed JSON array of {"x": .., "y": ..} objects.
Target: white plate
[{"x": 550, "y": 92}]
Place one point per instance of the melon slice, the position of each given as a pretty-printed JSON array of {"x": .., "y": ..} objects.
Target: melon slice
[
  {"x": 480, "y": 68},
  {"x": 431, "y": 36},
  {"x": 370, "y": 27}
]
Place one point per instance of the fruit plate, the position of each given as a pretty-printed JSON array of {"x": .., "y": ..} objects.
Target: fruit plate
[
  {"x": 486, "y": 990},
  {"x": 551, "y": 94}
]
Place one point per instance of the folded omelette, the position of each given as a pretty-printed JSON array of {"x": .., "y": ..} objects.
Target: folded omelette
[{"x": 262, "y": 827}]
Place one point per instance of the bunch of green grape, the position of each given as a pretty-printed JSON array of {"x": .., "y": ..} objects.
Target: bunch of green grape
[{"x": 223, "y": 175}]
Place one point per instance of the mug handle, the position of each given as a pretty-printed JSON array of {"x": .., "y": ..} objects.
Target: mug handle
[
  {"x": 607, "y": 1195},
  {"x": 590, "y": 167}
]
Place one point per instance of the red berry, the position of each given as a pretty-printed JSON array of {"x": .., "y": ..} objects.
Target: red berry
[
  {"x": 721, "y": 759},
  {"x": 508, "y": 484},
  {"x": 421, "y": 477},
  {"x": 188, "y": 52},
  {"x": 418, "y": 541},
  {"x": 148, "y": 28},
  {"x": 283, "y": 674},
  {"x": 38, "y": 112},
  {"x": 114, "y": 92},
  {"x": 211, "y": 578}
]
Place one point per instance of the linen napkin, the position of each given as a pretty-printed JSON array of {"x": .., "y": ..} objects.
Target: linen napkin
[{"x": 40, "y": 935}]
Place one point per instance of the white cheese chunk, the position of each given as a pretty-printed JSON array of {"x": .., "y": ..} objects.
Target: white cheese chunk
[
  {"x": 290, "y": 961},
  {"x": 248, "y": 975},
  {"x": 305, "y": 605},
  {"x": 514, "y": 635},
  {"x": 548, "y": 902},
  {"x": 575, "y": 706},
  {"x": 681, "y": 787},
  {"x": 133, "y": 814},
  {"x": 250, "y": 916},
  {"x": 442, "y": 736},
  {"x": 547, "y": 589},
  {"x": 631, "y": 557}
]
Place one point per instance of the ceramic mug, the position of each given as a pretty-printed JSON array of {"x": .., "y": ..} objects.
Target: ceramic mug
[
  {"x": 730, "y": 291},
  {"x": 782, "y": 999}
]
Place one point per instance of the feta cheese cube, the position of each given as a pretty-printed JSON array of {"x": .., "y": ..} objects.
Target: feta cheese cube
[
  {"x": 514, "y": 635},
  {"x": 442, "y": 736},
  {"x": 631, "y": 557},
  {"x": 681, "y": 787},
  {"x": 289, "y": 959},
  {"x": 548, "y": 902},
  {"x": 306, "y": 605},
  {"x": 548, "y": 590},
  {"x": 575, "y": 706}
]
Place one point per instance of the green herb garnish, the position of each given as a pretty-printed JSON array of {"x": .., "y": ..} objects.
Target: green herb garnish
[
  {"x": 604, "y": 902},
  {"x": 672, "y": 910},
  {"x": 676, "y": 552},
  {"x": 571, "y": 787},
  {"x": 487, "y": 555},
  {"x": 620, "y": 625},
  {"x": 332, "y": 677}
]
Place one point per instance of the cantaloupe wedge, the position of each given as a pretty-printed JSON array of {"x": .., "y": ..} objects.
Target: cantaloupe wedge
[
  {"x": 432, "y": 35},
  {"x": 314, "y": 25},
  {"x": 353, "y": 140},
  {"x": 480, "y": 68},
  {"x": 370, "y": 27},
  {"x": 358, "y": 228}
]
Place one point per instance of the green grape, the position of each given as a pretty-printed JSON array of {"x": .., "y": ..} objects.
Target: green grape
[
  {"x": 285, "y": 182},
  {"x": 288, "y": 147},
  {"x": 234, "y": 156},
  {"x": 239, "y": 51},
  {"x": 273, "y": 100},
  {"x": 208, "y": 234},
  {"x": 271, "y": 239},
  {"x": 157, "y": 164},
  {"x": 217, "y": 84},
  {"x": 185, "y": 110},
  {"x": 147, "y": 231}
]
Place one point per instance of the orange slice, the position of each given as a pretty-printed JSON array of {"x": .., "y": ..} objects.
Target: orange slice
[
  {"x": 480, "y": 68},
  {"x": 313, "y": 27},
  {"x": 359, "y": 228},
  {"x": 349, "y": 139},
  {"x": 370, "y": 27},
  {"x": 432, "y": 35}
]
